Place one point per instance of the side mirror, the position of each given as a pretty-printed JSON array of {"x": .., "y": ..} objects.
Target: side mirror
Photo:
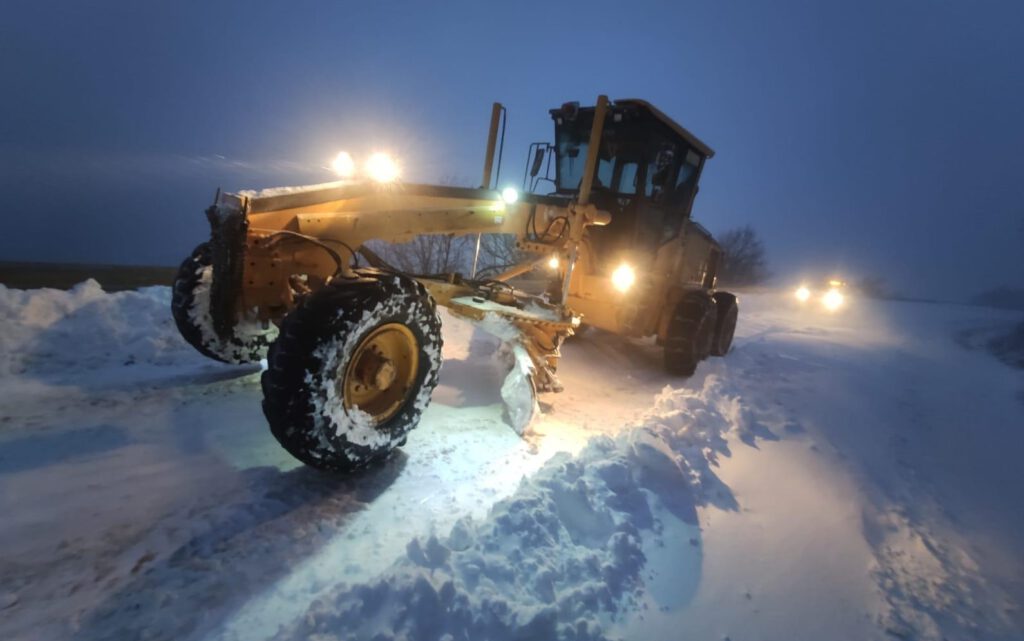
[{"x": 538, "y": 160}]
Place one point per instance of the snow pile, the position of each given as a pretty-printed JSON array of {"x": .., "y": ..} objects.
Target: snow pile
[
  {"x": 58, "y": 334},
  {"x": 563, "y": 557}
]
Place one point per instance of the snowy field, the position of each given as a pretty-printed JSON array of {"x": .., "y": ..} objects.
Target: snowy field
[{"x": 855, "y": 476}]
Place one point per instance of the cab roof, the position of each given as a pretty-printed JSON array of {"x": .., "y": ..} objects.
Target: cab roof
[
  {"x": 684, "y": 133},
  {"x": 644, "y": 106}
]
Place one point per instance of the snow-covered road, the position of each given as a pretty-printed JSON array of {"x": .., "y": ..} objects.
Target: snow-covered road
[{"x": 846, "y": 477}]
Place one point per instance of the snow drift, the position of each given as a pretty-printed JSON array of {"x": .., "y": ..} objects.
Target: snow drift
[
  {"x": 57, "y": 334},
  {"x": 560, "y": 559}
]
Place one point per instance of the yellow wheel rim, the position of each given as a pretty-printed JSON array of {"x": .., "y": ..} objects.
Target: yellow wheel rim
[{"x": 380, "y": 377}]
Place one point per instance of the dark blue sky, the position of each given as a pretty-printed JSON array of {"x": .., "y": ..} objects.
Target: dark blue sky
[{"x": 873, "y": 138}]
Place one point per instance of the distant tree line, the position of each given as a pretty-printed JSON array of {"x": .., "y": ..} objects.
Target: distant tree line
[{"x": 744, "y": 262}]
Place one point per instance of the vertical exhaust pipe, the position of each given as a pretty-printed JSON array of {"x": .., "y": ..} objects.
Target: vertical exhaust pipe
[{"x": 492, "y": 142}]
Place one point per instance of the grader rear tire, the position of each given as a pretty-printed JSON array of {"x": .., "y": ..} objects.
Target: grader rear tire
[
  {"x": 352, "y": 371},
  {"x": 725, "y": 327},
  {"x": 690, "y": 332}
]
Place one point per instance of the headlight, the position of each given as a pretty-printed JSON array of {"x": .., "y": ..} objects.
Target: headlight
[
  {"x": 833, "y": 299},
  {"x": 803, "y": 294},
  {"x": 623, "y": 277},
  {"x": 382, "y": 168},
  {"x": 343, "y": 165},
  {"x": 509, "y": 195}
]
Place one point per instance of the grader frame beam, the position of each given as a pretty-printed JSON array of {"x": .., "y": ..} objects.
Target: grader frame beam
[
  {"x": 289, "y": 243},
  {"x": 308, "y": 232},
  {"x": 295, "y": 241}
]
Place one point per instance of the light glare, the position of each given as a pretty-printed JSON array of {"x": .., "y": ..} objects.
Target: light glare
[
  {"x": 833, "y": 300},
  {"x": 553, "y": 262},
  {"x": 343, "y": 165},
  {"x": 623, "y": 277},
  {"x": 382, "y": 168},
  {"x": 803, "y": 294}
]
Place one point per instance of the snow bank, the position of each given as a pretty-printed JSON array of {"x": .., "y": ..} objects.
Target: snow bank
[
  {"x": 61, "y": 335},
  {"x": 562, "y": 558}
]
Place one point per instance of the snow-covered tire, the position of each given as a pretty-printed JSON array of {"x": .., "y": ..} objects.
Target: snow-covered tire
[
  {"x": 689, "y": 336},
  {"x": 317, "y": 353},
  {"x": 190, "y": 306},
  {"x": 725, "y": 327}
]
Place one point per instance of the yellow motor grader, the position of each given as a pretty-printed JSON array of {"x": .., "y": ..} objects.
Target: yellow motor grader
[{"x": 353, "y": 344}]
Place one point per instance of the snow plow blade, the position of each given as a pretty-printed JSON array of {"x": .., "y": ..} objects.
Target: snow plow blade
[{"x": 531, "y": 332}]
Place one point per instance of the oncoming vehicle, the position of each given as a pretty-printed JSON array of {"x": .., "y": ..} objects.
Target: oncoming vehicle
[
  {"x": 831, "y": 295},
  {"x": 353, "y": 344}
]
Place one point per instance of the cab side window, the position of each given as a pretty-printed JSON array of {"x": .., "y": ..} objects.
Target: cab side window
[
  {"x": 680, "y": 194},
  {"x": 687, "y": 172}
]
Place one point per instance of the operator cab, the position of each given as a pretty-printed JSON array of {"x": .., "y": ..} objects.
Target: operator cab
[{"x": 646, "y": 176}]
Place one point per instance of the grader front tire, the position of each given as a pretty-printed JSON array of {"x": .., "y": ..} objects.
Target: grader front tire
[{"x": 352, "y": 371}]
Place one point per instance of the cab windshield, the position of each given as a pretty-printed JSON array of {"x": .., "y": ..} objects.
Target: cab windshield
[
  {"x": 618, "y": 166},
  {"x": 638, "y": 156}
]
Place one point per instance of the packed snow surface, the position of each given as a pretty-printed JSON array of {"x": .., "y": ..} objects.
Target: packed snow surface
[{"x": 848, "y": 476}]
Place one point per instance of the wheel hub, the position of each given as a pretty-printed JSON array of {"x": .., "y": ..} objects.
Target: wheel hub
[
  {"x": 382, "y": 372},
  {"x": 385, "y": 375},
  {"x": 374, "y": 370}
]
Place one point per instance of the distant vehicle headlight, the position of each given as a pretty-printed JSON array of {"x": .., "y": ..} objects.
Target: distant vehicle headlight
[
  {"x": 509, "y": 195},
  {"x": 833, "y": 299},
  {"x": 623, "y": 277},
  {"x": 803, "y": 294},
  {"x": 382, "y": 168}
]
